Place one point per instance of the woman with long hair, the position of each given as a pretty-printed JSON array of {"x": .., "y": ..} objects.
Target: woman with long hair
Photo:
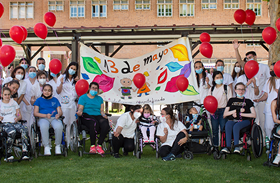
[{"x": 236, "y": 72}]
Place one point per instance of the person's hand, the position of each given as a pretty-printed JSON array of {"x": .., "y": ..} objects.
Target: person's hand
[
  {"x": 105, "y": 116},
  {"x": 56, "y": 116},
  {"x": 207, "y": 80},
  {"x": 77, "y": 78},
  {"x": 153, "y": 122},
  {"x": 1, "y": 118},
  {"x": 182, "y": 141},
  {"x": 234, "y": 115},
  {"x": 253, "y": 80},
  {"x": 16, "y": 119},
  {"x": 32, "y": 98},
  {"x": 49, "y": 116},
  {"x": 242, "y": 110},
  {"x": 165, "y": 131},
  {"x": 249, "y": 82},
  {"x": 116, "y": 134},
  {"x": 257, "y": 100},
  {"x": 61, "y": 80},
  {"x": 235, "y": 44},
  {"x": 137, "y": 121},
  {"x": 79, "y": 113}
]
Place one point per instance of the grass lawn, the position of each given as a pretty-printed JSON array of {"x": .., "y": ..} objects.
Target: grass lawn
[{"x": 94, "y": 168}]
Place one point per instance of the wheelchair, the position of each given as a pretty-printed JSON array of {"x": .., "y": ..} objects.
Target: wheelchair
[
  {"x": 139, "y": 143},
  {"x": 252, "y": 134},
  {"x": 273, "y": 147},
  {"x": 17, "y": 146},
  {"x": 36, "y": 140},
  {"x": 81, "y": 143}
]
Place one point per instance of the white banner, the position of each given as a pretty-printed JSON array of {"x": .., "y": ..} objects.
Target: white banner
[{"x": 161, "y": 68}]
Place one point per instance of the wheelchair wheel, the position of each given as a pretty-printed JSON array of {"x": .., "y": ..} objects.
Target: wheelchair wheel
[
  {"x": 74, "y": 137},
  {"x": 257, "y": 140},
  {"x": 188, "y": 155},
  {"x": 136, "y": 142},
  {"x": 65, "y": 151},
  {"x": 81, "y": 153},
  {"x": 216, "y": 155},
  {"x": 32, "y": 141},
  {"x": 138, "y": 154}
]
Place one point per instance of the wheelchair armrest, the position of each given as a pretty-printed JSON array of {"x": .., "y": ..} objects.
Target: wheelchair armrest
[
  {"x": 109, "y": 115},
  {"x": 61, "y": 118},
  {"x": 22, "y": 121}
]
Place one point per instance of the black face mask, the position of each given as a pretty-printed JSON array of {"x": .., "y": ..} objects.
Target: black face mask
[
  {"x": 272, "y": 73},
  {"x": 46, "y": 97}
]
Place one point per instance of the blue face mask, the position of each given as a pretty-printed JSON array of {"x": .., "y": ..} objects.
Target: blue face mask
[
  {"x": 53, "y": 75},
  {"x": 219, "y": 81},
  {"x": 41, "y": 67},
  {"x": 199, "y": 71},
  {"x": 93, "y": 92},
  {"x": 239, "y": 95},
  {"x": 24, "y": 66},
  {"x": 71, "y": 71},
  {"x": 32, "y": 74},
  {"x": 220, "y": 68}
]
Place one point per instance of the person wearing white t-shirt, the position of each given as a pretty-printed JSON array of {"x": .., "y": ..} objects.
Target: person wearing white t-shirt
[
  {"x": 125, "y": 130},
  {"x": 172, "y": 134},
  {"x": 237, "y": 71},
  {"x": 68, "y": 95},
  {"x": 227, "y": 79},
  {"x": 204, "y": 80}
]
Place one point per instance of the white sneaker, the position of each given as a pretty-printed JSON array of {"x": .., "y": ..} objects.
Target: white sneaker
[
  {"x": 57, "y": 149},
  {"x": 276, "y": 160},
  {"x": 47, "y": 151}
]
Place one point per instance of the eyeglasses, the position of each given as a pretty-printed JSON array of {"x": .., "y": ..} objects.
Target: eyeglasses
[{"x": 241, "y": 89}]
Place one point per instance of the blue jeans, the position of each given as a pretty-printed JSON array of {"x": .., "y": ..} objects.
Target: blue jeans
[
  {"x": 234, "y": 128},
  {"x": 217, "y": 120}
]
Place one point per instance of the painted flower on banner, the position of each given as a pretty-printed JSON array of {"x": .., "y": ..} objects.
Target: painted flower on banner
[
  {"x": 105, "y": 82},
  {"x": 180, "y": 52},
  {"x": 91, "y": 66},
  {"x": 173, "y": 66}
]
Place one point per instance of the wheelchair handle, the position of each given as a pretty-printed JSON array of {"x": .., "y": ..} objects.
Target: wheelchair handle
[{"x": 109, "y": 115}]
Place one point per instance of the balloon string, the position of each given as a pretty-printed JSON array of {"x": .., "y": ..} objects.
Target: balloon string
[
  {"x": 252, "y": 38},
  {"x": 59, "y": 42},
  {"x": 242, "y": 33}
]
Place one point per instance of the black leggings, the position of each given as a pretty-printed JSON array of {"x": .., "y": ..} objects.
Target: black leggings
[
  {"x": 97, "y": 124},
  {"x": 175, "y": 149},
  {"x": 126, "y": 143}
]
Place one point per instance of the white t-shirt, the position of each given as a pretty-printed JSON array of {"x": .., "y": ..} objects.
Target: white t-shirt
[
  {"x": 172, "y": 134},
  {"x": 27, "y": 95},
  {"x": 220, "y": 95},
  {"x": 249, "y": 93},
  {"x": 36, "y": 90},
  {"x": 8, "y": 111},
  {"x": 54, "y": 86},
  {"x": 227, "y": 79},
  {"x": 203, "y": 90},
  {"x": 127, "y": 124},
  {"x": 262, "y": 76},
  {"x": 68, "y": 93},
  {"x": 271, "y": 95}
]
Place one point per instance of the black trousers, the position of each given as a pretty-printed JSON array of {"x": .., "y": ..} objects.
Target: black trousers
[
  {"x": 175, "y": 149},
  {"x": 96, "y": 124},
  {"x": 126, "y": 143}
]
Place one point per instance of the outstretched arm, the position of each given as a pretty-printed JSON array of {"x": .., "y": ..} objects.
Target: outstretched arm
[{"x": 237, "y": 54}]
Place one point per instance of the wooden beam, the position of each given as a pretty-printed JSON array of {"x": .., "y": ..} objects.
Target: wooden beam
[
  {"x": 116, "y": 51},
  {"x": 196, "y": 53},
  {"x": 36, "y": 53}
]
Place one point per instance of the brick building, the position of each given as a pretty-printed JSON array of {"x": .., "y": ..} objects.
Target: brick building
[{"x": 123, "y": 13}]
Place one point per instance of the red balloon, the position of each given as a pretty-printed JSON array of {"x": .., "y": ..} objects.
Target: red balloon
[
  {"x": 250, "y": 17},
  {"x": 182, "y": 83},
  {"x": 1, "y": 9},
  {"x": 278, "y": 24},
  {"x": 206, "y": 49},
  {"x": 204, "y": 37},
  {"x": 25, "y": 33},
  {"x": 81, "y": 87},
  {"x": 139, "y": 80},
  {"x": 276, "y": 68},
  {"x": 41, "y": 30},
  {"x": 211, "y": 104},
  {"x": 1, "y": 43},
  {"x": 240, "y": 16},
  {"x": 251, "y": 68},
  {"x": 7, "y": 55},
  {"x": 50, "y": 18},
  {"x": 17, "y": 34},
  {"x": 269, "y": 35},
  {"x": 55, "y": 66}
]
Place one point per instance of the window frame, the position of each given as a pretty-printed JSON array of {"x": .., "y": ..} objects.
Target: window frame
[
  {"x": 164, "y": 4},
  {"x": 26, "y": 5},
  {"x": 99, "y": 5},
  {"x": 231, "y": 3},
  {"x": 187, "y": 3},
  {"x": 121, "y": 4},
  {"x": 209, "y": 3},
  {"x": 254, "y": 3},
  {"x": 142, "y": 5},
  {"x": 77, "y": 5},
  {"x": 56, "y": 5}
]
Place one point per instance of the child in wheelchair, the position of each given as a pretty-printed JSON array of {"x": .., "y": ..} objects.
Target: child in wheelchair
[
  {"x": 10, "y": 116},
  {"x": 148, "y": 121},
  {"x": 48, "y": 109},
  {"x": 193, "y": 120}
]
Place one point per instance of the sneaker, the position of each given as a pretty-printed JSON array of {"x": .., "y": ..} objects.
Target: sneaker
[
  {"x": 276, "y": 160},
  {"x": 25, "y": 155},
  {"x": 99, "y": 149},
  {"x": 237, "y": 150},
  {"x": 57, "y": 149},
  {"x": 47, "y": 151},
  {"x": 152, "y": 141},
  {"x": 116, "y": 155},
  {"x": 92, "y": 149},
  {"x": 169, "y": 157},
  {"x": 9, "y": 157},
  {"x": 225, "y": 150},
  {"x": 146, "y": 141}
]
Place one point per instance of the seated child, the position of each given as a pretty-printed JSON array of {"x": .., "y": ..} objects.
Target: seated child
[
  {"x": 193, "y": 120},
  {"x": 9, "y": 116},
  {"x": 148, "y": 120}
]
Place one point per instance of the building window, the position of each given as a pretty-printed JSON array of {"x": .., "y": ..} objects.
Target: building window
[
  {"x": 164, "y": 8},
  {"x": 255, "y": 5},
  {"x": 142, "y": 4},
  {"x": 209, "y": 4},
  {"x": 56, "y": 5},
  {"x": 231, "y": 4},
  {"x": 77, "y": 9},
  {"x": 186, "y": 8},
  {"x": 120, "y": 5},
  {"x": 21, "y": 10},
  {"x": 99, "y": 8}
]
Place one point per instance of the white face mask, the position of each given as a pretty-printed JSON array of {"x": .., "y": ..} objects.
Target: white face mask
[
  {"x": 162, "y": 119},
  {"x": 251, "y": 59},
  {"x": 42, "y": 81},
  {"x": 237, "y": 69},
  {"x": 136, "y": 115},
  {"x": 19, "y": 76}
]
